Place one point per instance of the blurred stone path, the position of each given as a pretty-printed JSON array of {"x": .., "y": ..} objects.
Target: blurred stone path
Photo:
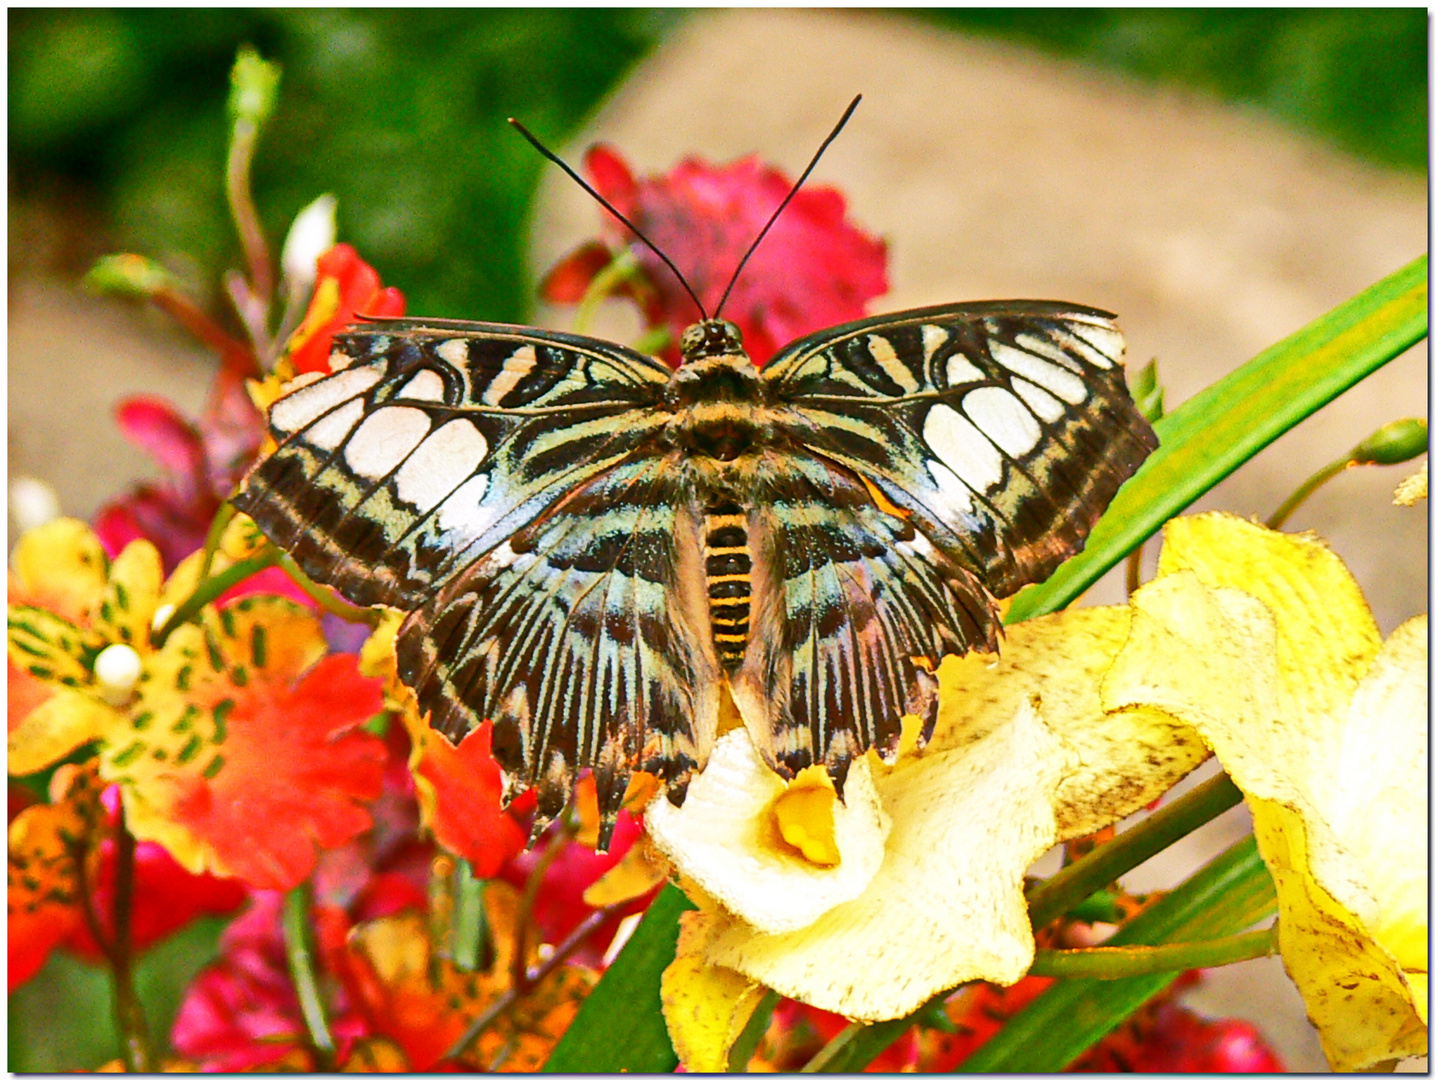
[{"x": 993, "y": 173}]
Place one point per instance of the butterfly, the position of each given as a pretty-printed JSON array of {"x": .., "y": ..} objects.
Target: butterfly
[{"x": 595, "y": 551}]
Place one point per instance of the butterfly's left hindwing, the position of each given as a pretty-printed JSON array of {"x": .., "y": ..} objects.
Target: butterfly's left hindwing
[
  {"x": 436, "y": 442},
  {"x": 1002, "y": 429}
]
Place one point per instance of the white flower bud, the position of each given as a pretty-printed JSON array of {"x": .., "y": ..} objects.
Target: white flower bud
[
  {"x": 161, "y": 616},
  {"x": 311, "y": 235},
  {"x": 117, "y": 669}
]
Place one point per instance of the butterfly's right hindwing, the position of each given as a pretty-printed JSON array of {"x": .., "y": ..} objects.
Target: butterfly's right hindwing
[{"x": 437, "y": 441}]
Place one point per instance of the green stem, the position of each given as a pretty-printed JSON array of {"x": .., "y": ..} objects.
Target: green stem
[
  {"x": 1124, "y": 961},
  {"x": 325, "y": 597},
  {"x": 581, "y": 933},
  {"x": 1071, "y": 885},
  {"x": 129, "y": 1013},
  {"x": 834, "y": 1051},
  {"x": 745, "y": 1045},
  {"x": 212, "y": 538},
  {"x": 301, "y": 970},
  {"x": 1304, "y": 492},
  {"x": 241, "y": 205},
  {"x": 623, "y": 267},
  {"x": 211, "y": 589}
]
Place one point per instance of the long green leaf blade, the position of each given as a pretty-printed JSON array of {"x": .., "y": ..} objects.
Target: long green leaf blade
[
  {"x": 1210, "y": 436},
  {"x": 620, "y": 1028}
]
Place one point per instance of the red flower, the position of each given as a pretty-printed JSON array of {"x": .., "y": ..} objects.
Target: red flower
[
  {"x": 813, "y": 270},
  {"x": 346, "y": 287}
]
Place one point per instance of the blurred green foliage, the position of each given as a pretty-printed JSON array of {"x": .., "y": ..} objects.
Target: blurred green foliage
[
  {"x": 401, "y": 113},
  {"x": 1357, "y": 77}
]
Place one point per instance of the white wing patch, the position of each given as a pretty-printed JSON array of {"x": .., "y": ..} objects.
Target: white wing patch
[
  {"x": 454, "y": 350},
  {"x": 463, "y": 512},
  {"x": 1003, "y": 419},
  {"x": 933, "y": 338},
  {"x": 961, "y": 370},
  {"x": 384, "y": 440},
  {"x": 956, "y": 496},
  {"x": 962, "y": 447},
  {"x": 1048, "y": 376},
  {"x": 515, "y": 369},
  {"x": 308, "y": 403},
  {"x": 441, "y": 462},
  {"x": 329, "y": 432},
  {"x": 1101, "y": 345},
  {"x": 427, "y": 385},
  {"x": 1038, "y": 400}
]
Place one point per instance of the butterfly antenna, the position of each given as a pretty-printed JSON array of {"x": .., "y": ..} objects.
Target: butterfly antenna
[
  {"x": 783, "y": 205},
  {"x": 551, "y": 156}
]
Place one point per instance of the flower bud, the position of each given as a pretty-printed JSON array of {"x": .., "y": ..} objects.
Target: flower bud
[
  {"x": 311, "y": 235},
  {"x": 1147, "y": 392},
  {"x": 253, "y": 87},
  {"x": 1397, "y": 441},
  {"x": 129, "y": 275},
  {"x": 117, "y": 669}
]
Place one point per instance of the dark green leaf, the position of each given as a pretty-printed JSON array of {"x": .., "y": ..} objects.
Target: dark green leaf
[{"x": 620, "y": 1028}]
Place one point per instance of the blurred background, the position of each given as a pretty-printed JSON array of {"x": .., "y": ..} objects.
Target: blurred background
[{"x": 1217, "y": 178}]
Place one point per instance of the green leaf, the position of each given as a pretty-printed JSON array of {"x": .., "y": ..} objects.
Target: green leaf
[
  {"x": 1209, "y": 437},
  {"x": 1226, "y": 896},
  {"x": 620, "y": 1027}
]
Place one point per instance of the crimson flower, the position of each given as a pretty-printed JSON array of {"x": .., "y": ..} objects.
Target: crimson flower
[{"x": 813, "y": 270}]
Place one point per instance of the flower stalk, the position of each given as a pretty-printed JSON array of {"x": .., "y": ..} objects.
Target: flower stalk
[
  {"x": 1125, "y": 961},
  {"x": 297, "y": 918}
]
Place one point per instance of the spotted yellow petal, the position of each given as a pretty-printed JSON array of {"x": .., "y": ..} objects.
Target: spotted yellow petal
[{"x": 62, "y": 723}]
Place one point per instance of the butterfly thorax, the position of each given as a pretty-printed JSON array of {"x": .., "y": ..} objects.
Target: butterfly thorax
[{"x": 716, "y": 395}]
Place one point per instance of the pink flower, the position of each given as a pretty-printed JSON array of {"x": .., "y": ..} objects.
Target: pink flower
[{"x": 813, "y": 270}]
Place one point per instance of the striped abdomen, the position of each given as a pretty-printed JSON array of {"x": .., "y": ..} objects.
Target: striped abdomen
[{"x": 729, "y": 571}]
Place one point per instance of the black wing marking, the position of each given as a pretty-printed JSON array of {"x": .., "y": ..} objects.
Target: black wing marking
[
  {"x": 435, "y": 441},
  {"x": 584, "y": 639},
  {"x": 1004, "y": 429},
  {"x": 852, "y": 609}
]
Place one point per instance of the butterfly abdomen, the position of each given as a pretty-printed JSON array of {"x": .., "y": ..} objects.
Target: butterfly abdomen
[{"x": 728, "y": 563}]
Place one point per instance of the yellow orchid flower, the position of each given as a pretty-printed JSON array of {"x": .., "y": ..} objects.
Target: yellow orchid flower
[{"x": 1264, "y": 644}]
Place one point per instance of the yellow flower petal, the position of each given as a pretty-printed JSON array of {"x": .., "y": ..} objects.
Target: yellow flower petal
[
  {"x": 725, "y": 838},
  {"x": 706, "y": 1007},
  {"x": 639, "y": 871},
  {"x": 1124, "y": 759},
  {"x": 132, "y": 594},
  {"x": 1263, "y": 642}
]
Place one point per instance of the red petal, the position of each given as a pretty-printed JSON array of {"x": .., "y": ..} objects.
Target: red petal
[
  {"x": 154, "y": 425},
  {"x": 568, "y": 281},
  {"x": 467, "y": 785},
  {"x": 612, "y": 177}
]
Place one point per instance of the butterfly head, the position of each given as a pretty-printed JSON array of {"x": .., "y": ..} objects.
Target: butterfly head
[{"x": 709, "y": 338}]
